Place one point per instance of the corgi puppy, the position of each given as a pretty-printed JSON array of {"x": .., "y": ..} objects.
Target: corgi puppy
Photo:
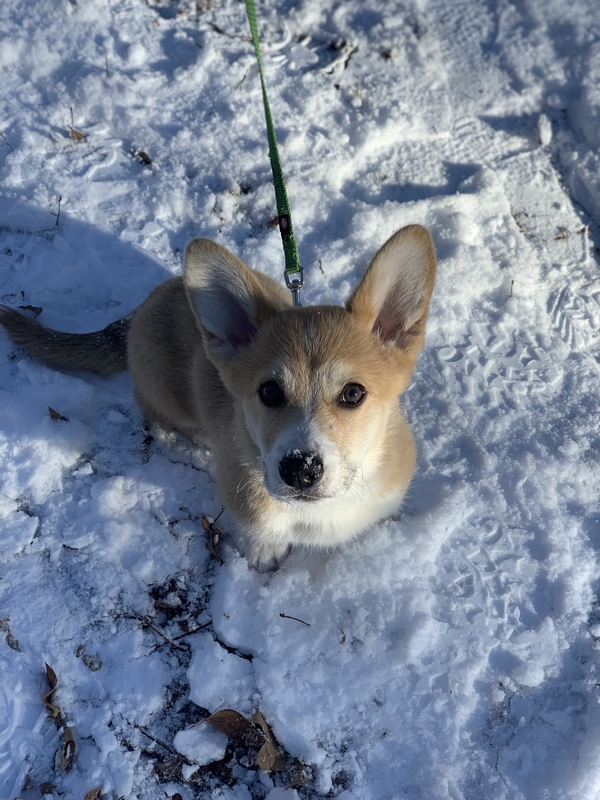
[{"x": 299, "y": 405}]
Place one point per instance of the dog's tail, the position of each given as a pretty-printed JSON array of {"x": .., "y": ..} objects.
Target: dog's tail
[{"x": 103, "y": 352}]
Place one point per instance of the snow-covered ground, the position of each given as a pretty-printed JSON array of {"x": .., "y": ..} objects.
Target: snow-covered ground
[{"x": 451, "y": 654}]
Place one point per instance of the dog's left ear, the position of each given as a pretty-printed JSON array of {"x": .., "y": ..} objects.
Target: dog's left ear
[{"x": 393, "y": 297}]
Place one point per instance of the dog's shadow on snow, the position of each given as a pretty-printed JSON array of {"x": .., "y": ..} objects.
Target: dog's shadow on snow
[{"x": 81, "y": 276}]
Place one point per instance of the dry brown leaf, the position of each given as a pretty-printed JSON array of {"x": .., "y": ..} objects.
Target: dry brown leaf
[
  {"x": 236, "y": 727},
  {"x": 55, "y": 710},
  {"x": 55, "y": 415},
  {"x": 259, "y": 720},
  {"x": 67, "y": 754},
  {"x": 10, "y": 639},
  {"x": 301, "y": 775},
  {"x": 212, "y": 549},
  {"x": 92, "y": 662},
  {"x": 170, "y": 770},
  {"x": 141, "y": 155},
  {"x": 214, "y": 534},
  {"x": 52, "y": 680},
  {"x": 51, "y": 675},
  {"x": 76, "y": 136},
  {"x": 93, "y": 795},
  {"x": 268, "y": 758}
]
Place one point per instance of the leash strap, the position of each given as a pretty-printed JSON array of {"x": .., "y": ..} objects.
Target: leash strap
[{"x": 294, "y": 274}]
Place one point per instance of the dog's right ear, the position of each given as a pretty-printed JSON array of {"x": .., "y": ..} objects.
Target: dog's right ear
[{"x": 226, "y": 297}]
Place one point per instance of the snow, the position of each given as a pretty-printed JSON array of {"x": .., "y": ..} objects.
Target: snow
[
  {"x": 201, "y": 745},
  {"x": 450, "y": 654}
]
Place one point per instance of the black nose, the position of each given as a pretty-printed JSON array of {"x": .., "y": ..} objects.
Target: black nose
[{"x": 301, "y": 469}]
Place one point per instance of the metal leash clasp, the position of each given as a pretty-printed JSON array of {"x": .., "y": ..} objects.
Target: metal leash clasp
[{"x": 294, "y": 283}]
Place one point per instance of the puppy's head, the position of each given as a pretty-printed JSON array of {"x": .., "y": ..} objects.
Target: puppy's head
[{"x": 318, "y": 387}]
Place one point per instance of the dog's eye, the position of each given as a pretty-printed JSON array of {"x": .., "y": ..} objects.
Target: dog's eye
[
  {"x": 271, "y": 394},
  {"x": 352, "y": 394}
]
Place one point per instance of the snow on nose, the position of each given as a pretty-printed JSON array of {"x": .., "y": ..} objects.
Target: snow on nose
[{"x": 301, "y": 469}]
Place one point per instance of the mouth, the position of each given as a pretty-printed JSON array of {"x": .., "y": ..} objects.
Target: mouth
[
  {"x": 306, "y": 498},
  {"x": 301, "y": 497}
]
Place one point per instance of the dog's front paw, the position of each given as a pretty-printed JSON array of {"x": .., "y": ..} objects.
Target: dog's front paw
[
  {"x": 264, "y": 556},
  {"x": 270, "y": 565}
]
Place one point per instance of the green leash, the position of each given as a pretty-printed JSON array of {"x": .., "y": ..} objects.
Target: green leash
[{"x": 294, "y": 274}]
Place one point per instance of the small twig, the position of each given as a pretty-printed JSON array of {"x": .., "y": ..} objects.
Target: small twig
[
  {"x": 191, "y": 633},
  {"x": 58, "y": 215},
  {"x": 239, "y": 86},
  {"x": 321, "y": 266},
  {"x": 220, "y": 30},
  {"x": 158, "y": 742},
  {"x": 512, "y": 283},
  {"x": 286, "y": 616},
  {"x": 9, "y": 144},
  {"x": 145, "y": 621}
]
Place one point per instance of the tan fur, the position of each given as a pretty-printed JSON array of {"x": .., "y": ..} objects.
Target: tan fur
[{"x": 200, "y": 347}]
